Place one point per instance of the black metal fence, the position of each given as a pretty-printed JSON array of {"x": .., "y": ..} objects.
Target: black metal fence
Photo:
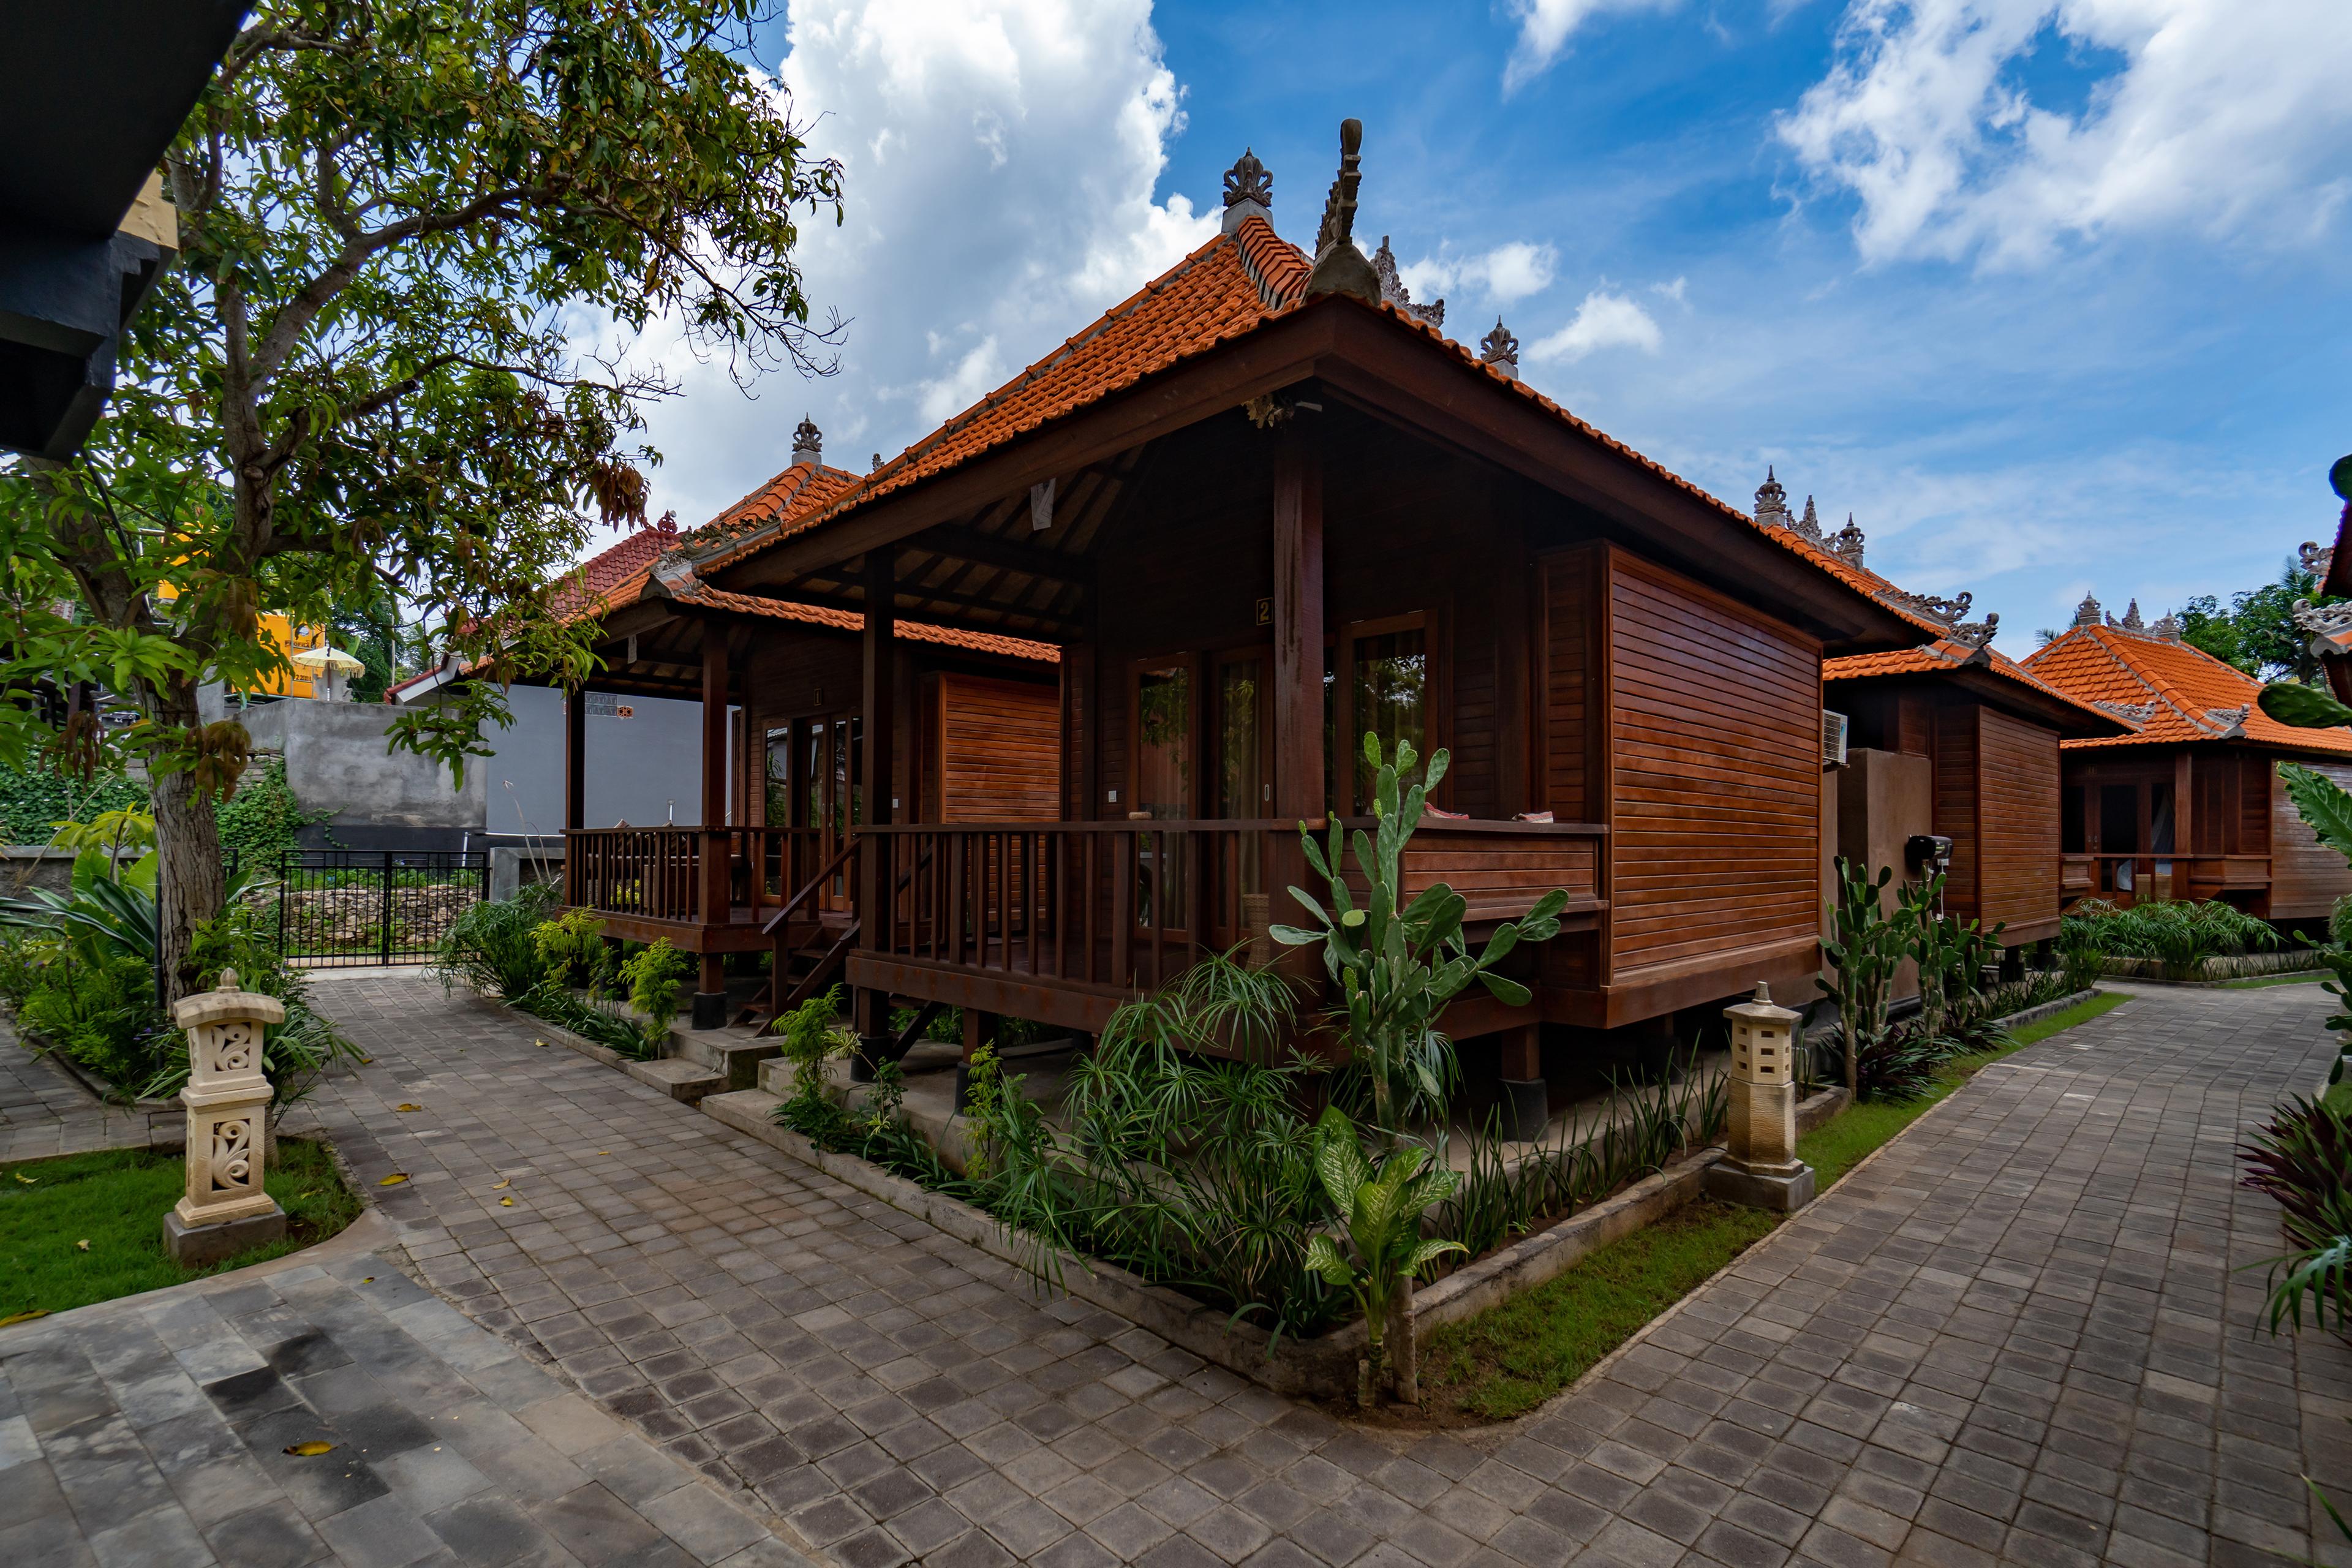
[{"x": 338, "y": 907}]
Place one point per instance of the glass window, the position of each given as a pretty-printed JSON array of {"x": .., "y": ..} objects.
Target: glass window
[
  {"x": 1387, "y": 695},
  {"x": 1164, "y": 751}
]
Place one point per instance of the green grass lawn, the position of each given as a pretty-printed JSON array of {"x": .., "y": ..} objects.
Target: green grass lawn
[
  {"x": 1506, "y": 1362},
  {"x": 89, "y": 1227},
  {"x": 2309, "y": 977}
]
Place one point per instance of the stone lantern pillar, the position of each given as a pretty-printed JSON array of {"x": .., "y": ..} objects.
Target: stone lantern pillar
[
  {"x": 225, "y": 1211},
  {"x": 1762, "y": 1170}
]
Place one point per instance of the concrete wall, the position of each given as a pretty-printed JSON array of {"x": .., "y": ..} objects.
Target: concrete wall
[
  {"x": 339, "y": 759},
  {"x": 1885, "y": 797},
  {"x": 646, "y": 769}
]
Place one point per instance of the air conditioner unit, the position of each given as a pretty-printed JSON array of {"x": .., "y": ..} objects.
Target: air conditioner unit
[{"x": 1832, "y": 739}]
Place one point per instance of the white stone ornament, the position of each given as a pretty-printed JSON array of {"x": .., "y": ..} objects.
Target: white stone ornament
[
  {"x": 227, "y": 1101},
  {"x": 1762, "y": 1168}
]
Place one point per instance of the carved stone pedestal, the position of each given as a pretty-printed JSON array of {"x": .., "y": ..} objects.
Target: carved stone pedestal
[{"x": 225, "y": 1210}]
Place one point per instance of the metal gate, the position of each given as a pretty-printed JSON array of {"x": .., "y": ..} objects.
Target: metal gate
[{"x": 372, "y": 906}]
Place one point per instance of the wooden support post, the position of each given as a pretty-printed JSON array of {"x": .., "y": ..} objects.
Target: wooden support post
[
  {"x": 1299, "y": 762},
  {"x": 714, "y": 898},
  {"x": 575, "y": 788},
  {"x": 878, "y": 680},
  {"x": 1525, "y": 1103}
]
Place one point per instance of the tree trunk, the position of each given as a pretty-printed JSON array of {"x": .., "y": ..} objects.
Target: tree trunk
[
  {"x": 189, "y": 888},
  {"x": 1403, "y": 1346}
]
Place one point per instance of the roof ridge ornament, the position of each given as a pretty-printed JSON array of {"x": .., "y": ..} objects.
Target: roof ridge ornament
[
  {"x": 2167, "y": 628},
  {"x": 2233, "y": 720},
  {"x": 1810, "y": 525},
  {"x": 1978, "y": 635},
  {"x": 1500, "y": 350},
  {"x": 1772, "y": 502},
  {"x": 1394, "y": 293},
  {"x": 1249, "y": 192},
  {"x": 1846, "y": 545},
  {"x": 2132, "y": 712},
  {"x": 1951, "y": 612},
  {"x": 2131, "y": 621},
  {"x": 1340, "y": 267},
  {"x": 2087, "y": 614},
  {"x": 808, "y": 443}
]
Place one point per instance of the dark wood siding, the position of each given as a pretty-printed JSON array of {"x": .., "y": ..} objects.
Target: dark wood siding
[
  {"x": 999, "y": 750},
  {"x": 2307, "y": 877},
  {"x": 1715, "y": 767},
  {"x": 2016, "y": 817},
  {"x": 1568, "y": 695},
  {"x": 1955, "y": 811}
]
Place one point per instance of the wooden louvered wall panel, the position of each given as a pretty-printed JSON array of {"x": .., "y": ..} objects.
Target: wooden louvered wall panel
[
  {"x": 1000, "y": 750},
  {"x": 1716, "y": 768},
  {"x": 2016, "y": 817},
  {"x": 2307, "y": 877}
]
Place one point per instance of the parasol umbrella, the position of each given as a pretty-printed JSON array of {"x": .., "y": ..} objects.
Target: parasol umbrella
[{"x": 331, "y": 662}]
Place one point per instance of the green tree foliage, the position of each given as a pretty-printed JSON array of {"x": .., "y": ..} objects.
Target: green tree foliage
[
  {"x": 2256, "y": 633},
  {"x": 359, "y": 381}
]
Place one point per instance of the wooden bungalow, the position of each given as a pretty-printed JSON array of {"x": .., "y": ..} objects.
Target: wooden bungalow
[
  {"x": 1265, "y": 509},
  {"x": 1949, "y": 740},
  {"x": 976, "y": 736},
  {"x": 2187, "y": 805}
]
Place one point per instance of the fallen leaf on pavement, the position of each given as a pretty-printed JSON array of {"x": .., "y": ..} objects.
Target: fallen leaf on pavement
[
  {"x": 309, "y": 1451},
  {"x": 506, "y": 1203},
  {"x": 501, "y": 1186},
  {"x": 393, "y": 1180},
  {"x": 23, "y": 1317},
  {"x": 405, "y": 1106},
  {"x": 367, "y": 1061}
]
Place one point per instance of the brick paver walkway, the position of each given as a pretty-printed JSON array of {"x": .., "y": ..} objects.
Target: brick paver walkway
[
  {"x": 43, "y": 1111},
  {"x": 151, "y": 1432},
  {"x": 2014, "y": 1336}
]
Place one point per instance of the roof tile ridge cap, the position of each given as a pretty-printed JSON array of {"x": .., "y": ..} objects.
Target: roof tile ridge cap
[
  {"x": 2160, "y": 690},
  {"x": 1272, "y": 295}
]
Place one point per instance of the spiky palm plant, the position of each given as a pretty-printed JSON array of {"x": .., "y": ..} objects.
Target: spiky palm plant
[{"x": 1380, "y": 1210}]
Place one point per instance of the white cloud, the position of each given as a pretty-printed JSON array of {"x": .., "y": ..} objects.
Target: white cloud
[
  {"x": 1605, "y": 320},
  {"x": 1508, "y": 272},
  {"x": 2221, "y": 118},
  {"x": 1544, "y": 29},
  {"x": 1001, "y": 160}
]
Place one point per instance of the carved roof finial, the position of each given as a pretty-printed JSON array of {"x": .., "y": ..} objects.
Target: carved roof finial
[
  {"x": 1810, "y": 525},
  {"x": 808, "y": 443},
  {"x": 1773, "y": 501},
  {"x": 1249, "y": 191},
  {"x": 1340, "y": 267},
  {"x": 1978, "y": 635},
  {"x": 1394, "y": 293},
  {"x": 2167, "y": 628},
  {"x": 2316, "y": 559},
  {"x": 2131, "y": 622},
  {"x": 2087, "y": 614},
  {"x": 1847, "y": 542},
  {"x": 1501, "y": 350}
]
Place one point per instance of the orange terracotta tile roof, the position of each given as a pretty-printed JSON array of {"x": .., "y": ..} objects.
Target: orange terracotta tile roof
[
  {"x": 1944, "y": 656},
  {"x": 2170, "y": 691},
  {"x": 1230, "y": 286}
]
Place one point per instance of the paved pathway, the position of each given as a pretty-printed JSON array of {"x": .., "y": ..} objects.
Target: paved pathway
[
  {"x": 43, "y": 1111},
  {"x": 2015, "y": 1336}
]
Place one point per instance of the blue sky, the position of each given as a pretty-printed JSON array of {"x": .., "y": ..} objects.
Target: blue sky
[{"x": 2050, "y": 294}]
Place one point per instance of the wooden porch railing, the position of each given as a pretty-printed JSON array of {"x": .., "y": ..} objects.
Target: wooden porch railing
[
  {"x": 655, "y": 873},
  {"x": 2132, "y": 878},
  {"x": 1133, "y": 904}
]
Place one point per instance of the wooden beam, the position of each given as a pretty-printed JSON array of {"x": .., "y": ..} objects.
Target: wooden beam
[
  {"x": 575, "y": 757},
  {"x": 961, "y": 544},
  {"x": 1266, "y": 360},
  {"x": 1298, "y": 761},
  {"x": 715, "y": 889},
  {"x": 877, "y": 676}
]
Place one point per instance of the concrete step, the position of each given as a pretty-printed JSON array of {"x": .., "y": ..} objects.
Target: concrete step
[
  {"x": 683, "y": 1080},
  {"x": 748, "y": 1110},
  {"x": 734, "y": 1054}
]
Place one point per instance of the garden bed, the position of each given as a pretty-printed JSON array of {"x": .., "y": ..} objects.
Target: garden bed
[
  {"x": 2222, "y": 969},
  {"x": 79, "y": 1228}
]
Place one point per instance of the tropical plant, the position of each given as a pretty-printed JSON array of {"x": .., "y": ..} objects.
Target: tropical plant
[
  {"x": 1396, "y": 962},
  {"x": 570, "y": 948},
  {"x": 361, "y": 383},
  {"x": 1864, "y": 954},
  {"x": 109, "y": 832},
  {"x": 811, "y": 1035},
  {"x": 654, "y": 977},
  {"x": 549, "y": 1000},
  {"x": 297, "y": 1052},
  {"x": 1934, "y": 945},
  {"x": 2179, "y": 935},
  {"x": 1380, "y": 1210},
  {"x": 490, "y": 948}
]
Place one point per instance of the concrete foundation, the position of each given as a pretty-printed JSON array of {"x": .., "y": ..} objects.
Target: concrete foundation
[
  {"x": 202, "y": 1245},
  {"x": 1780, "y": 1191}
]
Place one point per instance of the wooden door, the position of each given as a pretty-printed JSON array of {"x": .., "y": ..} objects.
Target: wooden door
[
  {"x": 1165, "y": 714},
  {"x": 1241, "y": 779}
]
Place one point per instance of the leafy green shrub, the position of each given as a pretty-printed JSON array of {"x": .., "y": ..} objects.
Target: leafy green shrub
[
  {"x": 1379, "y": 1210},
  {"x": 549, "y": 1000},
  {"x": 654, "y": 977},
  {"x": 259, "y": 823},
  {"x": 2339, "y": 923},
  {"x": 1867, "y": 948},
  {"x": 296, "y": 1053},
  {"x": 812, "y": 1036},
  {"x": 32, "y": 801},
  {"x": 98, "y": 1010},
  {"x": 2303, "y": 1158},
  {"x": 572, "y": 949},
  {"x": 489, "y": 948},
  {"x": 2179, "y": 933}
]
